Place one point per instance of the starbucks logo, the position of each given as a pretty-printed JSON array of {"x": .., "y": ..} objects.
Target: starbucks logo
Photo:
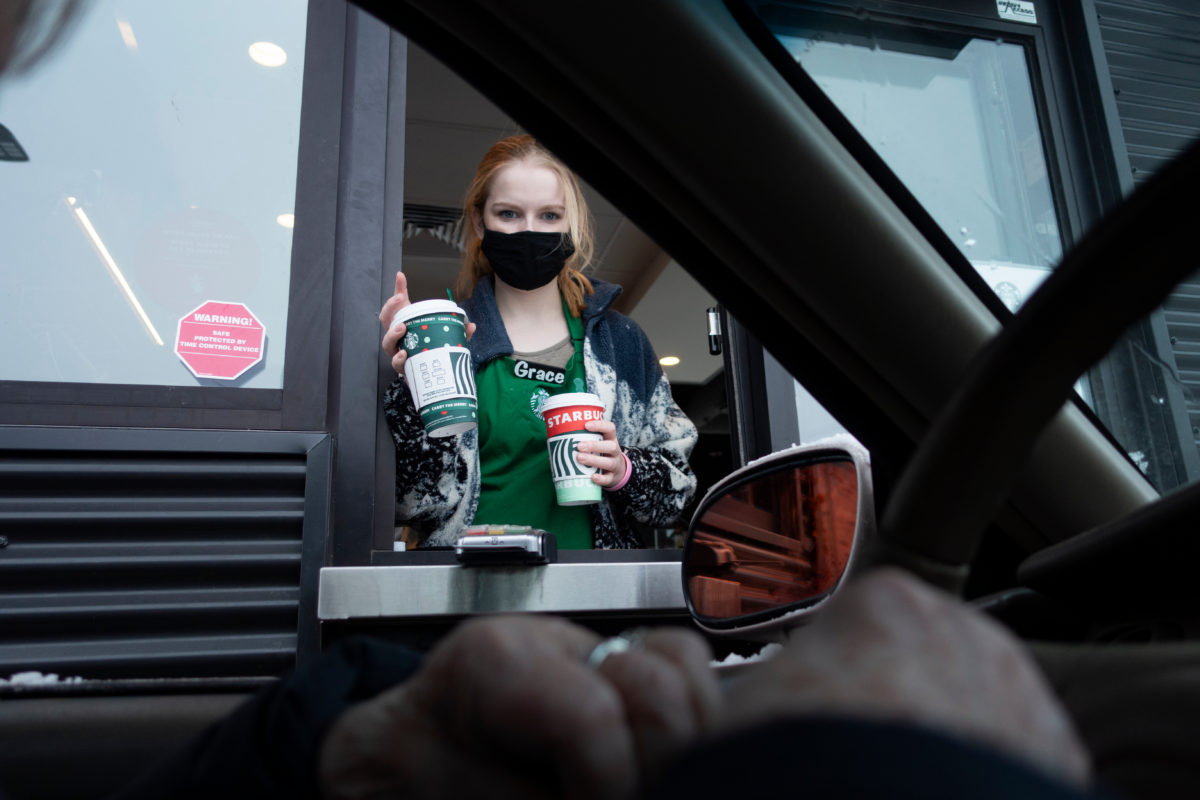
[
  {"x": 537, "y": 400},
  {"x": 411, "y": 340}
]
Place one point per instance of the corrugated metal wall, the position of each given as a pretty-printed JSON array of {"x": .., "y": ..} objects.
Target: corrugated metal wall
[
  {"x": 164, "y": 558},
  {"x": 1153, "y": 53}
]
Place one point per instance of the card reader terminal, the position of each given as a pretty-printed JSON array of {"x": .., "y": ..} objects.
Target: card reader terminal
[{"x": 492, "y": 545}]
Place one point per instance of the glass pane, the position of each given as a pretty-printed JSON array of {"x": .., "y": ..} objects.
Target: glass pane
[
  {"x": 954, "y": 118},
  {"x": 779, "y": 540},
  {"x": 154, "y": 215}
]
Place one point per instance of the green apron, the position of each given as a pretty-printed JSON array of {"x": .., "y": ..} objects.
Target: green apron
[{"x": 516, "y": 486}]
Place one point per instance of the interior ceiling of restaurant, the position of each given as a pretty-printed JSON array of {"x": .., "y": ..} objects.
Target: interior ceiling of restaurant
[{"x": 449, "y": 127}]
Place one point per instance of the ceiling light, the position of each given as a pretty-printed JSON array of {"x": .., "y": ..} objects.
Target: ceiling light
[
  {"x": 669, "y": 361},
  {"x": 113, "y": 270},
  {"x": 286, "y": 220},
  {"x": 267, "y": 54},
  {"x": 127, "y": 34}
]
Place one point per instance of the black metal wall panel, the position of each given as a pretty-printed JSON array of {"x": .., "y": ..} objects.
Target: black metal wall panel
[
  {"x": 1153, "y": 52},
  {"x": 1152, "y": 48},
  {"x": 152, "y": 554}
]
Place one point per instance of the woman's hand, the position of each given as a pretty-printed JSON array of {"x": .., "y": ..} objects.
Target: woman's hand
[
  {"x": 605, "y": 455},
  {"x": 393, "y": 335}
]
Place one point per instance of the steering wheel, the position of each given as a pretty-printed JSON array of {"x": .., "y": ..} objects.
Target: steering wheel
[{"x": 1121, "y": 271}]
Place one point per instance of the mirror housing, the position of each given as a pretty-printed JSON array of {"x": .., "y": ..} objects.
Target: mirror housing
[{"x": 770, "y": 543}]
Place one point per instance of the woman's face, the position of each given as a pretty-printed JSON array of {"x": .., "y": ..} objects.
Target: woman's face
[{"x": 524, "y": 197}]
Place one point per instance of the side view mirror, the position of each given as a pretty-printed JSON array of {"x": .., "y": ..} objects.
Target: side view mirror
[{"x": 772, "y": 542}]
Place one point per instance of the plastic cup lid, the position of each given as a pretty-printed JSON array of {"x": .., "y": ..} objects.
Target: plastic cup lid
[
  {"x": 572, "y": 399},
  {"x": 426, "y": 307}
]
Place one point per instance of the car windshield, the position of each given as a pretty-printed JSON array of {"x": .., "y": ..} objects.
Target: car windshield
[{"x": 965, "y": 120}]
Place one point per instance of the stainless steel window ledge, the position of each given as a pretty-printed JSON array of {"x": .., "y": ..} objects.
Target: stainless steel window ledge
[{"x": 443, "y": 590}]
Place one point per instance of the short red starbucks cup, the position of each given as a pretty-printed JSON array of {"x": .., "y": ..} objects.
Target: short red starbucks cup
[{"x": 566, "y": 417}]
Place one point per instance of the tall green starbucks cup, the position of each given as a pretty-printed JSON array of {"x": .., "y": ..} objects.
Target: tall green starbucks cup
[
  {"x": 438, "y": 368},
  {"x": 565, "y": 416}
]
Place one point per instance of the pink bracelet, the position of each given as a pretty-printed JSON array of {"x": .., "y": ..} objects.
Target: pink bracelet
[{"x": 624, "y": 480}]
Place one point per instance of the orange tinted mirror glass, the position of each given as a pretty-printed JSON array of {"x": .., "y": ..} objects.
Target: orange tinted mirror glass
[{"x": 777, "y": 540}]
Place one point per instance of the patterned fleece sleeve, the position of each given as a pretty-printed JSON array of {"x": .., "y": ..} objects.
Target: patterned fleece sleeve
[
  {"x": 432, "y": 474},
  {"x": 663, "y": 482}
]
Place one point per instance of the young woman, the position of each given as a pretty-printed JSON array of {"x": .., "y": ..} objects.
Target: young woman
[{"x": 540, "y": 328}]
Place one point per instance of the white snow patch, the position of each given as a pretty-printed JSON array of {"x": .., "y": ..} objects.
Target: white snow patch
[
  {"x": 37, "y": 679},
  {"x": 733, "y": 659}
]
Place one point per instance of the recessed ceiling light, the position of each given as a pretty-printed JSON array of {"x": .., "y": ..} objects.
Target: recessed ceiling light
[
  {"x": 268, "y": 54},
  {"x": 669, "y": 361},
  {"x": 127, "y": 34},
  {"x": 286, "y": 220}
]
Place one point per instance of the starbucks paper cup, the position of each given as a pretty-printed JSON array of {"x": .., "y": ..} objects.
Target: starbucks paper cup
[
  {"x": 438, "y": 368},
  {"x": 565, "y": 416}
]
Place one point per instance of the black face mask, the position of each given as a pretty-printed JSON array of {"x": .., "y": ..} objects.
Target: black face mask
[{"x": 527, "y": 259}]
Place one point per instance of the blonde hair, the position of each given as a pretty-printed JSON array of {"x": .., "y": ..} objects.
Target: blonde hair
[{"x": 572, "y": 283}]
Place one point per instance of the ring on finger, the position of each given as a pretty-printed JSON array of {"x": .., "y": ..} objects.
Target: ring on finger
[{"x": 626, "y": 640}]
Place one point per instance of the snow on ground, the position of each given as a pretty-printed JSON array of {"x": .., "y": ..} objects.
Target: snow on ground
[
  {"x": 37, "y": 679},
  {"x": 733, "y": 658}
]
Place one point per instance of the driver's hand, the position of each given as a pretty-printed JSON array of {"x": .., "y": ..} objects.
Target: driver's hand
[
  {"x": 892, "y": 648},
  {"x": 507, "y": 707},
  {"x": 393, "y": 334}
]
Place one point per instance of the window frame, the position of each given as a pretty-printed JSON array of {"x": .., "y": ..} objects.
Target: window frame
[
  {"x": 1077, "y": 140},
  {"x": 301, "y": 403},
  {"x": 349, "y": 179}
]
